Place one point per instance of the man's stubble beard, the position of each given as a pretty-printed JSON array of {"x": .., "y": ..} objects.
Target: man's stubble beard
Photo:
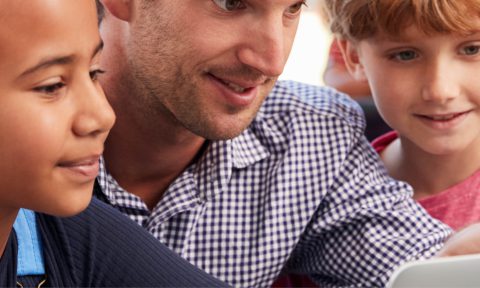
[{"x": 177, "y": 102}]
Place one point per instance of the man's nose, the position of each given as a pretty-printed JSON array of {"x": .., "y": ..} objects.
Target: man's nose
[{"x": 265, "y": 47}]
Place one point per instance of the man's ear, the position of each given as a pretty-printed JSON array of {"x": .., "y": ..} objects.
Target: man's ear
[
  {"x": 121, "y": 9},
  {"x": 352, "y": 60}
]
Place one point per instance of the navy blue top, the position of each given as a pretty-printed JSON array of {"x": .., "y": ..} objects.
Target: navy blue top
[{"x": 101, "y": 247}]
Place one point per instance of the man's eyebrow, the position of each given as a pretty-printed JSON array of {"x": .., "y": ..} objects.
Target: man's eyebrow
[{"x": 63, "y": 60}]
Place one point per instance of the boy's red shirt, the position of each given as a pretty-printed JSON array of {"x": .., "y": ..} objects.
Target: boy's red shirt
[{"x": 457, "y": 206}]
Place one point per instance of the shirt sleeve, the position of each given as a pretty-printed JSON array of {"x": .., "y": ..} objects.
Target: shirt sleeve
[
  {"x": 366, "y": 223},
  {"x": 108, "y": 249}
]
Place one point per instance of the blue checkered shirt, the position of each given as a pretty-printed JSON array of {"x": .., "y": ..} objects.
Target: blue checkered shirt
[{"x": 299, "y": 191}]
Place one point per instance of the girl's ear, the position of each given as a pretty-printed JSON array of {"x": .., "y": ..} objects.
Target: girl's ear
[
  {"x": 352, "y": 60},
  {"x": 121, "y": 9}
]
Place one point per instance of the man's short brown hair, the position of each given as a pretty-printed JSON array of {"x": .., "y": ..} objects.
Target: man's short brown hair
[{"x": 360, "y": 19}]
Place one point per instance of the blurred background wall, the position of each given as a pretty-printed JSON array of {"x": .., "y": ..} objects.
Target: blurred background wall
[{"x": 310, "y": 49}]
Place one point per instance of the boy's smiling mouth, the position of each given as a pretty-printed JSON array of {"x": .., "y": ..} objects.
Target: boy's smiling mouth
[
  {"x": 443, "y": 121},
  {"x": 444, "y": 117}
]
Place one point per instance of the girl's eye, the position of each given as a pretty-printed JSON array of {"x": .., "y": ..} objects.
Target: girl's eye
[
  {"x": 95, "y": 73},
  {"x": 470, "y": 50},
  {"x": 406, "y": 55},
  {"x": 230, "y": 5},
  {"x": 295, "y": 8},
  {"x": 50, "y": 89}
]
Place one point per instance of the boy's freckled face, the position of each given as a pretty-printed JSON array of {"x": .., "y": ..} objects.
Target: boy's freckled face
[
  {"x": 427, "y": 88},
  {"x": 53, "y": 114}
]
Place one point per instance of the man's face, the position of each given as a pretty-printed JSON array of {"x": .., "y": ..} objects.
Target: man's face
[{"x": 209, "y": 64}]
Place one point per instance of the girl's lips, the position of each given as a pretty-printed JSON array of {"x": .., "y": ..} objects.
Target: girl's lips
[{"x": 85, "y": 169}]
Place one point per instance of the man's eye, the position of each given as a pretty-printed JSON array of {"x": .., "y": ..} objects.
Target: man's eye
[
  {"x": 295, "y": 8},
  {"x": 94, "y": 74},
  {"x": 229, "y": 5}
]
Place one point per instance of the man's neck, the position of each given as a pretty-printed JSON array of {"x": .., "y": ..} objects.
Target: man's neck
[
  {"x": 145, "y": 153},
  {"x": 146, "y": 166}
]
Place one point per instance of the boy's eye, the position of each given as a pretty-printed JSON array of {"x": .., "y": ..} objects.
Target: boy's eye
[
  {"x": 95, "y": 73},
  {"x": 470, "y": 50},
  {"x": 406, "y": 55},
  {"x": 230, "y": 5},
  {"x": 295, "y": 8},
  {"x": 50, "y": 89}
]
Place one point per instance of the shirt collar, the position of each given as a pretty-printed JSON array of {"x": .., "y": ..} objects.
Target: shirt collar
[
  {"x": 247, "y": 149},
  {"x": 114, "y": 193},
  {"x": 214, "y": 169}
]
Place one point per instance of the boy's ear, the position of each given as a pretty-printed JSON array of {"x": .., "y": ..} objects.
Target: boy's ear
[
  {"x": 121, "y": 9},
  {"x": 352, "y": 59}
]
